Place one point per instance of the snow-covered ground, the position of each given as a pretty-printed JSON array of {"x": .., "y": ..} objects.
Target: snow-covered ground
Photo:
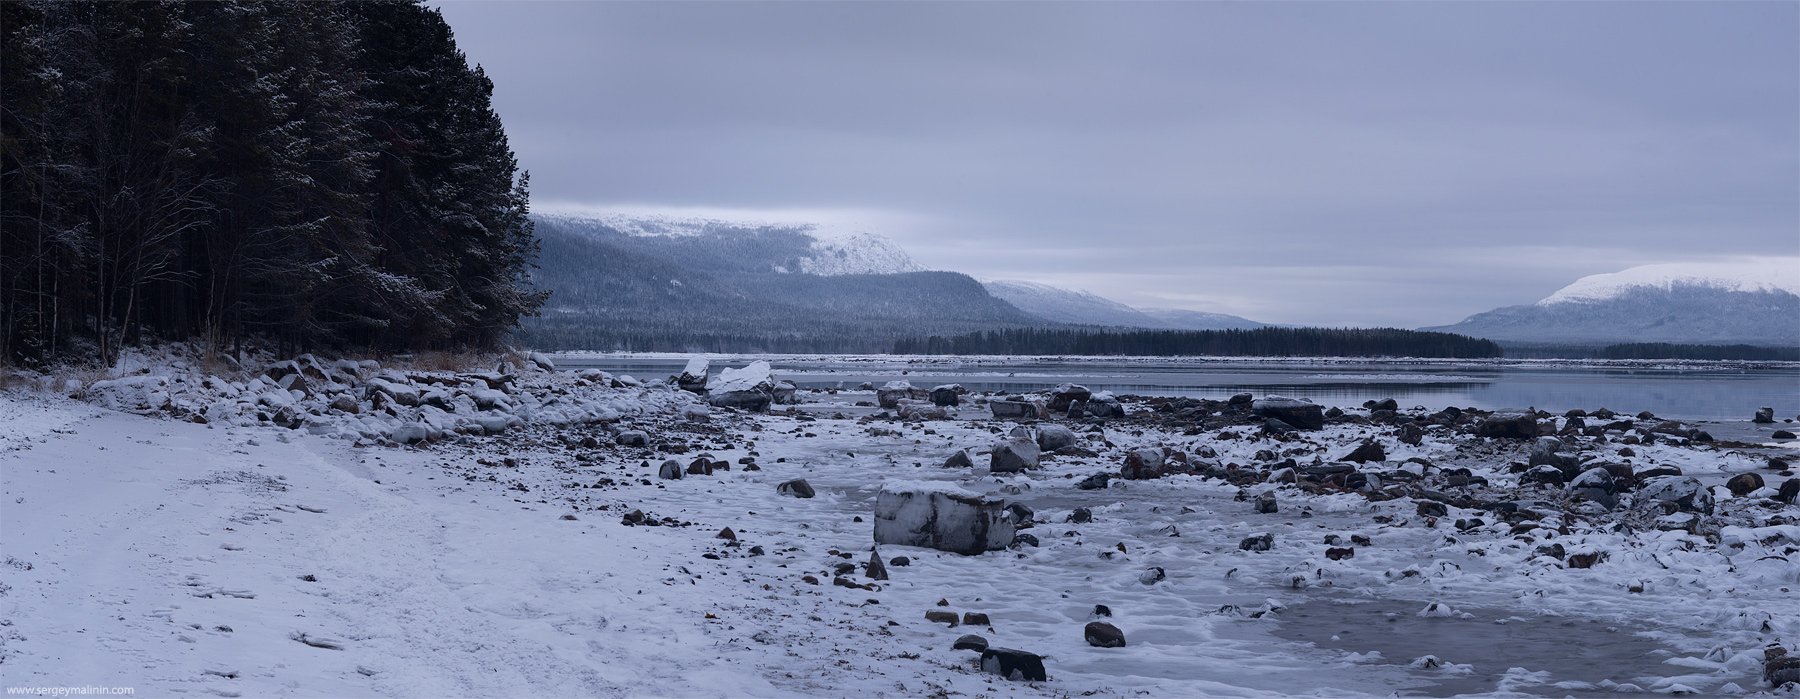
[{"x": 238, "y": 558}]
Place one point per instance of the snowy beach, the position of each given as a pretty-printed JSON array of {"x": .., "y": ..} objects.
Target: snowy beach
[{"x": 321, "y": 556}]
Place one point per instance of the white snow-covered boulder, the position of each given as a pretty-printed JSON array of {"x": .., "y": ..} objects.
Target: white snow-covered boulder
[
  {"x": 1676, "y": 494},
  {"x": 1054, "y": 437},
  {"x": 543, "y": 362},
  {"x": 132, "y": 393},
  {"x": 750, "y": 388},
  {"x": 1018, "y": 453},
  {"x": 693, "y": 377},
  {"x": 940, "y": 516},
  {"x": 890, "y": 395}
]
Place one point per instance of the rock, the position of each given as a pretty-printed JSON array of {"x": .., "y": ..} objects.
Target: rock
[
  {"x": 1081, "y": 515},
  {"x": 670, "y": 471},
  {"x": 785, "y": 393},
  {"x": 1595, "y": 485},
  {"x": 1789, "y": 492},
  {"x": 1431, "y": 508},
  {"x": 1014, "y": 455},
  {"x": 1677, "y": 494},
  {"x": 1144, "y": 464},
  {"x": 727, "y": 534},
  {"x": 1411, "y": 434},
  {"x": 1338, "y": 554},
  {"x": 1067, "y": 395},
  {"x": 976, "y": 619},
  {"x": 1300, "y": 414},
  {"x": 939, "y": 616},
  {"x": 874, "y": 568},
  {"x": 1101, "y": 610},
  {"x": 1544, "y": 452},
  {"x": 631, "y": 438},
  {"x": 1265, "y": 504},
  {"x": 940, "y": 517},
  {"x": 1781, "y": 434},
  {"x": 1370, "y": 450},
  {"x": 960, "y": 459},
  {"x": 347, "y": 403},
  {"x": 1152, "y": 575},
  {"x": 970, "y": 642},
  {"x": 1013, "y": 409},
  {"x": 1260, "y": 542},
  {"x": 1098, "y": 481},
  {"x": 1744, "y": 484},
  {"x": 900, "y": 561},
  {"x": 693, "y": 378},
  {"x": 797, "y": 488},
  {"x": 1508, "y": 426},
  {"x": 1387, "y": 404},
  {"x": 700, "y": 467},
  {"x": 1585, "y": 560},
  {"x": 1543, "y": 475},
  {"x": 947, "y": 395},
  {"x": 921, "y": 410},
  {"x": 889, "y": 395},
  {"x": 751, "y": 388},
  {"x": 1240, "y": 399},
  {"x": 1013, "y": 664},
  {"x": 1764, "y": 415},
  {"x": 752, "y": 401},
  {"x": 1100, "y": 634},
  {"x": 1024, "y": 539},
  {"x": 1103, "y": 405},
  {"x": 1054, "y": 437}
]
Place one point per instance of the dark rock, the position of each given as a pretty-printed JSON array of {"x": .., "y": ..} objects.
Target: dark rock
[
  {"x": 1370, "y": 450},
  {"x": 1383, "y": 404},
  {"x": 939, "y": 616},
  {"x": 1260, "y": 542},
  {"x": 1338, "y": 554},
  {"x": 1744, "y": 484},
  {"x": 1781, "y": 434},
  {"x": 1789, "y": 492},
  {"x": 727, "y": 534},
  {"x": 970, "y": 642},
  {"x": 890, "y": 395},
  {"x": 1595, "y": 485},
  {"x": 946, "y": 396},
  {"x": 1240, "y": 399},
  {"x": 1097, "y": 481},
  {"x": 798, "y": 488},
  {"x": 1585, "y": 560},
  {"x": 1265, "y": 504},
  {"x": 900, "y": 561},
  {"x": 1543, "y": 475},
  {"x": 700, "y": 467},
  {"x": 960, "y": 459},
  {"x": 1013, "y": 410},
  {"x": 1677, "y": 494},
  {"x": 1024, "y": 539},
  {"x": 1508, "y": 426},
  {"x": 670, "y": 470},
  {"x": 1066, "y": 395},
  {"x": 1101, "y": 610},
  {"x": 1764, "y": 416},
  {"x": 975, "y": 619},
  {"x": 1014, "y": 664},
  {"x": 1081, "y": 515},
  {"x": 1411, "y": 434},
  {"x": 1300, "y": 414},
  {"x": 874, "y": 569},
  {"x": 1100, "y": 634},
  {"x": 751, "y": 400},
  {"x": 1429, "y": 508}
]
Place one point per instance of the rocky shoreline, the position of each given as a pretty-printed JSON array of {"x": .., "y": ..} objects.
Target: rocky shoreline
[{"x": 1138, "y": 519}]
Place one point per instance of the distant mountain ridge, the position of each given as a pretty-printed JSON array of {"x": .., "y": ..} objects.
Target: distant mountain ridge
[
  {"x": 1084, "y": 308},
  {"x": 1754, "y": 303}
]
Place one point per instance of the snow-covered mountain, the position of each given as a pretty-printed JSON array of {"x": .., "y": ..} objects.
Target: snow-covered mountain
[
  {"x": 1084, "y": 308},
  {"x": 773, "y": 246},
  {"x": 1754, "y": 303},
  {"x": 862, "y": 253}
]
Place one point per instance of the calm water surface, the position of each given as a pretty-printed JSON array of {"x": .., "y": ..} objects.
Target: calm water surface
[{"x": 1685, "y": 390}]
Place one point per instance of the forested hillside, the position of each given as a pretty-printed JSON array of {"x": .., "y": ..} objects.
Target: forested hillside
[
  {"x": 736, "y": 290},
  {"x": 317, "y": 174},
  {"x": 1271, "y": 342}
]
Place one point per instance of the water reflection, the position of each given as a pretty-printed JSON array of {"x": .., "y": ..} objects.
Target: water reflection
[{"x": 1690, "y": 391}]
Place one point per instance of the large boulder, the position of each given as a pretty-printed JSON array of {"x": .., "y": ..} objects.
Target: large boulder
[
  {"x": 1102, "y": 405},
  {"x": 940, "y": 516},
  {"x": 1508, "y": 426},
  {"x": 890, "y": 395},
  {"x": 1066, "y": 395},
  {"x": 1014, "y": 664},
  {"x": 947, "y": 395},
  {"x": 1676, "y": 494},
  {"x": 693, "y": 377},
  {"x": 1764, "y": 416},
  {"x": 1145, "y": 464},
  {"x": 1018, "y": 453},
  {"x": 1303, "y": 414},
  {"x": 1011, "y": 409},
  {"x": 1054, "y": 437},
  {"x": 749, "y": 388},
  {"x": 1545, "y": 452},
  {"x": 1595, "y": 485}
]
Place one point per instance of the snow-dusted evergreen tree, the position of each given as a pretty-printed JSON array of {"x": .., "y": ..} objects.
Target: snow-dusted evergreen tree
[{"x": 318, "y": 174}]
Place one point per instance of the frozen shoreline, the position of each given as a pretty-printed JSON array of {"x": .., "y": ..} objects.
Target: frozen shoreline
[{"x": 449, "y": 569}]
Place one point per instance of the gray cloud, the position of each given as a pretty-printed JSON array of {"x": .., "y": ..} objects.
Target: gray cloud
[{"x": 1393, "y": 163}]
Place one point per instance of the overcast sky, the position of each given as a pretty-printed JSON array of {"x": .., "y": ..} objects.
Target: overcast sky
[{"x": 1396, "y": 163}]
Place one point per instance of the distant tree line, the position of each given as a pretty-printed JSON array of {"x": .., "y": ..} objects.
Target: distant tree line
[
  {"x": 1274, "y": 342},
  {"x": 1664, "y": 350},
  {"x": 311, "y": 174}
]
